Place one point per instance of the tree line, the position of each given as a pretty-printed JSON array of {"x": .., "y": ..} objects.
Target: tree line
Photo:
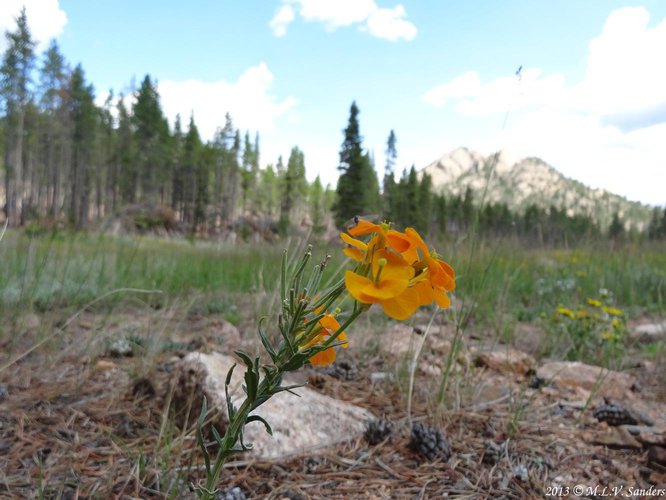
[{"x": 68, "y": 160}]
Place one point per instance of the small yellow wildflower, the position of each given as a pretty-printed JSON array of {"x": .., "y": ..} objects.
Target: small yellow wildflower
[
  {"x": 610, "y": 336},
  {"x": 594, "y": 302},
  {"x": 566, "y": 312},
  {"x": 612, "y": 311}
]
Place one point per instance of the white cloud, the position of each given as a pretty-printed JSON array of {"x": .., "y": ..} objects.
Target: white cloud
[
  {"x": 386, "y": 23},
  {"x": 283, "y": 17},
  {"x": 607, "y": 130},
  {"x": 46, "y": 20},
  {"x": 248, "y": 100},
  {"x": 391, "y": 24}
]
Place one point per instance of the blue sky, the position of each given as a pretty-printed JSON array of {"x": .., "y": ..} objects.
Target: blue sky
[{"x": 590, "y": 101}]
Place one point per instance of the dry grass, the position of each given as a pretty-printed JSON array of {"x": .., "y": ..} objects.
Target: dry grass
[{"x": 75, "y": 425}]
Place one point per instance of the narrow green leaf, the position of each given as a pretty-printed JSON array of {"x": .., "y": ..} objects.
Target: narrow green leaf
[
  {"x": 200, "y": 436},
  {"x": 246, "y": 359},
  {"x": 257, "y": 418}
]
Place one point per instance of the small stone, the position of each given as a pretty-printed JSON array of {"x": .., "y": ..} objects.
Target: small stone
[
  {"x": 521, "y": 473},
  {"x": 292, "y": 495},
  {"x": 376, "y": 377},
  {"x": 3, "y": 392},
  {"x": 235, "y": 493},
  {"x": 646, "y": 334},
  {"x": 120, "y": 347},
  {"x": 103, "y": 365},
  {"x": 507, "y": 361},
  {"x": 656, "y": 456}
]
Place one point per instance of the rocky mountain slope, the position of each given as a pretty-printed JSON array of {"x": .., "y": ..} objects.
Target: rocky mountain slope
[{"x": 529, "y": 181}]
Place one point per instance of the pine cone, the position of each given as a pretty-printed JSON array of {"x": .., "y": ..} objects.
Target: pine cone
[
  {"x": 429, "y": 442},
  {"x": 492, "y": 453},
  {"x": 342, "y": 370},
  {"x": 378, "y": 430},
  {"x": 234, "y": 493},
  {"x": 613, "y": 414}
]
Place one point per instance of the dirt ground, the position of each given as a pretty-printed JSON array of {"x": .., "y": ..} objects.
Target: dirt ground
[{"x": 80, "y": 425}]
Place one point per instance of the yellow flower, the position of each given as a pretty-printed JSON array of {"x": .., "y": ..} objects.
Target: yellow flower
[
  {"x": 612, "y": 311},
  {"x": 566, "y": 312},
  {"x": 389, "y": 278},
  {"x": 594, "y": 302},
  {"x": 609, "y": 336}
]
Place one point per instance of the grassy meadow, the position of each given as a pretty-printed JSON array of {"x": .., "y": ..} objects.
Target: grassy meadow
[{"x": 498, "y": 282}]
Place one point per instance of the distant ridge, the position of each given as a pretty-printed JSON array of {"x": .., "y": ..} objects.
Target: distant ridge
[{"x": 529, "y": 181}]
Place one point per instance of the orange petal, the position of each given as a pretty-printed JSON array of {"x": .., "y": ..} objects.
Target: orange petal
[
  {"x": 396, "y": 267},
  {"x": 403, "y": 306},
  {"x": 353, "y": 253},
  {"x": 384, "y": 290},
  {"x": 363, "y": 227},
  {"x": 323, "y": 358},
  {"x": 355, "y": 284},
  {"x": 353, "y": 242},
  {"x": 442, "y": 299},
  {"x": 425, "y": 293},
  {"x": 397, "y": 241}
]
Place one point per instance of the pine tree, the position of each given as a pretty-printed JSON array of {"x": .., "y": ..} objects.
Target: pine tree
[
  {"x": 126, "y": 153},
  {"x": 83, "y": 117},
  {"x": 616, "y": 228},
  {"x": 294, "y": 188},
  {"x": 389, "y": 178},
  {"x": 357, "y": 190},
  {"x": 317, "y": 206},
  {"x": 52, "y": 89},
  {"x": 151, "y": 134},
  {"x": 15, "y": 80}
]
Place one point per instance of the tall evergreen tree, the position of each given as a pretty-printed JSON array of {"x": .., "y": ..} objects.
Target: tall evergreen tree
[
  {"x": 83, "y": 117},
  {"x": 15, "y": 79},
  {"x": 151, "y": 132},
  {"x": 294, "y": 188},
  {"x": 357, "y": 190},
  {"x": 52, "y": 90}
]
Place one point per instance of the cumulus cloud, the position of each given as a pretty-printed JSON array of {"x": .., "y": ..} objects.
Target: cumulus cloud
[
  {"x": 391, "y": 24},
  {"x": 283, "y": 17},
  {"x": 387, "y": 23},
  {"x": 606, "y": 130},
  {"x": 248, "y": 100},
  {"x": 46, "y": 19}
]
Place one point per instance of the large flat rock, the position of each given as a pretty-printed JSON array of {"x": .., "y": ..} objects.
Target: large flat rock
[
  {"x": 588, "y": 378},
  {"x": 300, "y": 424}
]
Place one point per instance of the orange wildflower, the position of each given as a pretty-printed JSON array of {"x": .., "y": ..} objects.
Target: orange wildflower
[
  {"x": 390, "y": 277},
  {"x": 329, "y": 325}
]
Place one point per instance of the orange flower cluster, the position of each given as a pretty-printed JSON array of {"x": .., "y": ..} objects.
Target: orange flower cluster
[
  {"x": 395, "y": 270},
  {"x": 326, "y": 327}
]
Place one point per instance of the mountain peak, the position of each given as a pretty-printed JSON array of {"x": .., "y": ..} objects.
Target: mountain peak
[{"x": 519, "y": 183}]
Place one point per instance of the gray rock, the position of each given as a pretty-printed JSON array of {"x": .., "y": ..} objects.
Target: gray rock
[
  {"x": 648, "y": 333},
  {"x": 300, "y": 424},
  {"x": 120, "y": 347}
]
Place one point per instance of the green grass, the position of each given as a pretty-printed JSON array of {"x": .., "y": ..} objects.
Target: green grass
[{"x": 500, "y": 283}]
